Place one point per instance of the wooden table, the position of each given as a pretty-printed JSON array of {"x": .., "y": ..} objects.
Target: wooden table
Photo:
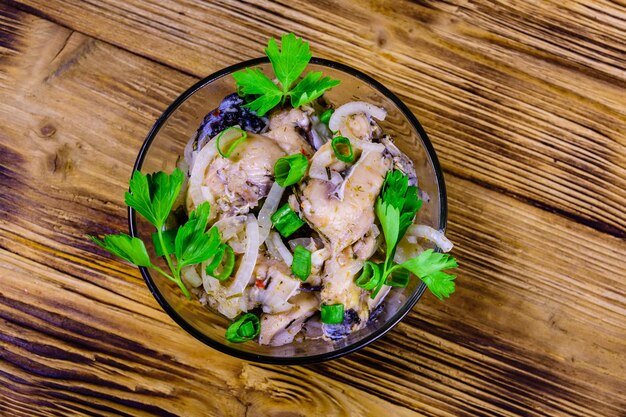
[{"x": 525, "y": 103}]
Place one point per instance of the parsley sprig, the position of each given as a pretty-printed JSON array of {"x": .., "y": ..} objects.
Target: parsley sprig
[
  {"x": 288, "y": 64},
  {"x": 396, "y": 208},
  {"x": 153, "y": 197}
]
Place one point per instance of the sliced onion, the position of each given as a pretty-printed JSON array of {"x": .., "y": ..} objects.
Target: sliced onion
[
  {"x": 353, "y": 107},
  {"x": 307, "y": 242},
  {"x": 269, "y": 207},
  {"x": 248, "y": 261},
  {"x": 277, "y": 248},
  {"x": 318, "y": 257},
  {"x": 230, "y": 226},
  {"x": 366, "y": 146},
  {"x": 197, "y": 192},
  {"x": 322, "y": 159},
  {"x": 335, "y": 178},
  {"x": 435, "y": 236},
  {"x": 190, "y": 275},
  {"x": 371, "y": 304},
  {"x": 209, "y": 283}
]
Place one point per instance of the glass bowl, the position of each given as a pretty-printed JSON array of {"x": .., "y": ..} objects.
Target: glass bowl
[{"x": 166, "y": 142}]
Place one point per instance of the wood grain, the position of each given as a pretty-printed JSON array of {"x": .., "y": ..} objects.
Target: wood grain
[
  {"x": 531, "y": 106},
  {"x": 537, "y": 324}
]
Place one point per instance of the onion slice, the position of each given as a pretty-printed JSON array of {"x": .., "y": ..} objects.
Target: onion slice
[
  {"x": 435, "y": 236},
  {"x": 197, "y": 192},
  {"x": 248, "y": 261},
  {"x": 230, "y": 226},
  {"x": 353, "y": 107},
  {"x": 269, "y": 207},
  {"x": 190, "y": 275},
  {"x": 276, "y": 246}
]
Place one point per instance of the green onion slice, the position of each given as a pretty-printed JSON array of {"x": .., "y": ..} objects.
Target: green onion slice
[
  {"x": 325, "y": 116},
  {"x": 301, "y": 265},
  {"x": 343, "y": 149},
  {"x": 370, "y": 276},
  {"x": 245, "y": 328},
  {"x": 223, "y": 263},
  {"x": 286, "y": 221},
  {"x": 169, "y": 237},
  {"x": 332, "y": 314},
  {"x": 228, "y": 140},
  {"x": 399, "y": 278},
  {"x": 290, "y": 169}
]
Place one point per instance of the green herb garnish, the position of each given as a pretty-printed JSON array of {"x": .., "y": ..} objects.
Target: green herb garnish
[
  {"x": 233, "y": 136},
  {"x": 223, "y": 263},
  {"x": 286, "y": 221},
  {"x": 288, "y": 64},
  {"x": 153, "y": 196},
  {"x": 301, "y": 264},
  {"x": 245, "y": 328},
  {"x": 289, "y": 170},
  {"x": 332, "y": 314},
  {"x": 396, "y": 208},
  {"x": 326, "y": 115},
  {"x": 343, "y": 149},
  {"x": 370, "y": 276}
]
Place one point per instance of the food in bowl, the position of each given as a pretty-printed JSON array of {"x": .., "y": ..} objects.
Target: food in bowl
[{"x": 289, "y": 214}]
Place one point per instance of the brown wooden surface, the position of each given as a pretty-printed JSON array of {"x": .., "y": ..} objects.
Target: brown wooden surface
[{"x": 525, "y": 103}]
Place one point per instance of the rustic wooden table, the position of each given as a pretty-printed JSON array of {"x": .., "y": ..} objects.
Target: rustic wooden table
[{"x": 525, "y": 103}]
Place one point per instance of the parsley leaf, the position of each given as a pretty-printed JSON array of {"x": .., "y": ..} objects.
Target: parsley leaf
[
  {"x": 428, "y": 266},
  {"x": 396, "y": 207},
  {"x": 311, "y": 87},
  {"x": 131, "y": 249},
  {"x": 429, "y": 262},
  {"x": 290, "y": 61},
  {"x": 153, "y": 195},
  {"x": 254, "y": 82},
  {"x": 193, "y": 244},
  {"x": 389, "y": 217}
]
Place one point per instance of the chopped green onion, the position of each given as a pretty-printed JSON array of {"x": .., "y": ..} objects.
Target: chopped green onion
[
  {"x": 245, "y": 328},
  {"x": 223, "y": 259},
  {"x": 343, "y": 149},
  {"x": 233, "y": 137},
  {"x": 379, "y": 286},
  {"x": 169, "y": 237},
  {"x": 286, "y": 221},
  {"x": 332, "y": 314},
  {"x": 325, "y": 116},
  {"x": 399, "y": 278},
  {"x": 370, "y": 276},
  {"x": 290, "y": 169},
  {"x": 301, "y": 265}
]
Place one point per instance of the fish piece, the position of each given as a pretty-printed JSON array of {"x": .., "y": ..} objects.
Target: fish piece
[
  {"x": 344, "y": 222},
  {"x": 288, "y": 128},
  {"x": 236, "y": 184},
  {"x": 280, "y": 329}
]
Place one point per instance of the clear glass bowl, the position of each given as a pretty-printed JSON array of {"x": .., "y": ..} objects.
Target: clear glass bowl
[{"x": 166, "y": 142}]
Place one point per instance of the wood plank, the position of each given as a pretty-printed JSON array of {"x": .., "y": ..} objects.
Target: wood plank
[
  {"x": 522, "y": 97},
  {"x": 536, "y": 327}
]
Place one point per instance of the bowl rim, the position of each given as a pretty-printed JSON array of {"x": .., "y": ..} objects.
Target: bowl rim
[{"x": 275, "y": 360}]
